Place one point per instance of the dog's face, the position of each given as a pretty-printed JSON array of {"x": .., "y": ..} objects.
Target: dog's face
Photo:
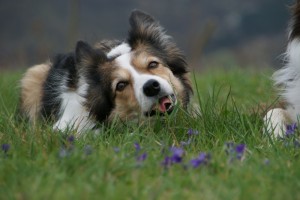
[{"x": 144, "y": 76}]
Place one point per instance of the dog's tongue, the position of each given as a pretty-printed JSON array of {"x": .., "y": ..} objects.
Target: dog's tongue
[{"x": 164, "y": 104}]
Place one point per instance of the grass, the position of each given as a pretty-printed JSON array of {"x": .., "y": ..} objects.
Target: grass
[{"x": 42, "y": 164}]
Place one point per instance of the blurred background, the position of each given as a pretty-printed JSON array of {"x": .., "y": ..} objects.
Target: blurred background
[{"x": 210, "y": 33}]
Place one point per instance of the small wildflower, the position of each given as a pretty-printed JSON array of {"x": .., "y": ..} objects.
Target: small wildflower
[
  {"x": 177, "y": 154},
  {"x": 141, "y": 157},
  {"x": 167, "y": 162},
  {"x": 175, "y": 157},
  {"x": 240, "y": 149},
  {"x": 137, "y": 147},
  {"x": 116, "y": 149},
  {"x": 266, "y": 161},
  {"x": 202, "y": 159},
  {"x": 5, "y": 148},
  {"x": 296, "y": 144},
  {"x": 235, "y": 151},
  {"x": 63, "y": 152},
  {"x": 192, "y": 132},
  {"x": 88, "y": 150},
  {"x": 290, "y": 129},
  {"x": 229, "y": 148},
  {"x": 183, "y": 143},
  {"x": 71, "y": 138}
]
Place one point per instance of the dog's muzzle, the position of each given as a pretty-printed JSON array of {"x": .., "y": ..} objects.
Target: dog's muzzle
[
  {"x": 151, "y": 88},
  {"x": 164, "y": 104}
]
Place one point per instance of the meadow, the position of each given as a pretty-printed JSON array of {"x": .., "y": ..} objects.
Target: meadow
[{"x": 221, "y": 153}]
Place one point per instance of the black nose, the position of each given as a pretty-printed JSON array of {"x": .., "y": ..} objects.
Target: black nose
[{"x": 151, "y": 88}]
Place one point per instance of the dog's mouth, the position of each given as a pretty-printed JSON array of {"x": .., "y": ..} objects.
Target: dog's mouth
[{"x": 164, "y": 105}]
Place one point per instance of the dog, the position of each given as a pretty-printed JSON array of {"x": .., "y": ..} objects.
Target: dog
[
  {"x": 287, "y": 81},
  {"x": 143, "y": 76}
]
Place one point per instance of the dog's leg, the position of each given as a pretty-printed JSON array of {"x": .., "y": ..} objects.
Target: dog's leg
[
  {"x": 276, "y": 121},
  {"x": 74, "y": 115}
]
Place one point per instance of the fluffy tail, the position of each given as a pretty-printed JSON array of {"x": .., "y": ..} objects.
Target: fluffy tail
[{"x": 288, "y": 78}]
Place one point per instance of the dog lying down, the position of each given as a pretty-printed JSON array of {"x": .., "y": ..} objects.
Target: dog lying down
[
  {"x": 287, "y": 80},
  {"x": 145, "y": 75}
]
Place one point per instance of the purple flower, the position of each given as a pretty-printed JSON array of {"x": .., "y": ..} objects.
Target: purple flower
[
  {"x": 266, "y": 161},
  {"x": 167, "y": 162},
  {"x": 202, "y": 159},
  {"x": 183, "y": 143},
  {"x": 5, "y": 148},
  {"x": 290, "y": 129},
  {"x": 71, "y": 138},
  {"x": 88, "y": 150},
  {"x": 175, "y": 157},
  {"x": 139, "y": 156},
  {"x": 63, "y": 152},
  {"x": 235, "y": 151},
  {"x": 137, "y": 147},
  {"x": 116, "y": 149},
  {"x": 296, "y": 144},
  {"x": 142, "y": 157},
  {"x": 192, "y": 132},
  {"x": 177, "y": 154},
  {"x": 240, "y": 149},
  {"x": 229, "y": 147}
]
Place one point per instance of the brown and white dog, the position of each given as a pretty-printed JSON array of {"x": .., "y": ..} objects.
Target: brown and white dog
[
  {"x": 287, "y": 80},
  {"x": 144, "y": 75}
]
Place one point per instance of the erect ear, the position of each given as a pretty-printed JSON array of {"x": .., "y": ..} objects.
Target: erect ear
[
  {"x": 146, "y": 30},
  {"x": 85, "y": 55}
]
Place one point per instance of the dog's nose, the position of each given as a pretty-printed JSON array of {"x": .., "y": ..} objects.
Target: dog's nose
[{"x": 151, "y": 88}]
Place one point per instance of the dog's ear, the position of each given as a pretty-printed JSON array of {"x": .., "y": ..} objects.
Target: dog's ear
[
  {"x": 86, "y": 56},
  {"x": 99, "y": 97},
  {"x": 146, "y": 30},
  {"x": 84, "y": 53}
]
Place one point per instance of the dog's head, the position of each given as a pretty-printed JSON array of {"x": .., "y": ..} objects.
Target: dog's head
[{"x": 143, "y": 76}]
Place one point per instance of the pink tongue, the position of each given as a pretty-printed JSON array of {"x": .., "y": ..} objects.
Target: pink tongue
[{"x": 164, "y": 104}]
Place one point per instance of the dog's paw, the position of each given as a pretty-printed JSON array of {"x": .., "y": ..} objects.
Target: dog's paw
[
  {"x": 276, "y": 121},
  {"x": 79, "y": 125}
]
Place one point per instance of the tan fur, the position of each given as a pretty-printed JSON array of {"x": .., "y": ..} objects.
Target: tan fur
[
  {"x": 126, "y": 104},
  {"x": 141, "y": 62},
  {"x": 32, "y": 89}
]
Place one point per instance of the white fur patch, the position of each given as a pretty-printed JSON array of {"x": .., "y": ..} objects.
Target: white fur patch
[
  {"x": 289, "y": 79},
  {"x": 119, "y": 50},
  {"x": 73, "y": 114},
  {"x": 276, "y": 121},
  {"x": 139, "y": 80}
]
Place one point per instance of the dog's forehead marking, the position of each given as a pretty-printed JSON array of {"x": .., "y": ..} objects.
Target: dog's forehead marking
[
  {"x": 121, "y": 49},
  {"x": 125, "y": 61},
  {"x": 139, "y": 79}
]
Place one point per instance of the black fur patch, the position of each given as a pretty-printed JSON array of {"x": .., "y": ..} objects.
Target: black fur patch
[
  {"x": 295, "y": 24},
  {"x": 62, "y": 73},
  {"x": 92, "y": 65}
]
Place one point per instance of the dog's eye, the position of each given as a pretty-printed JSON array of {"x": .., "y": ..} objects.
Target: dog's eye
[
  {"x": 153, "y": 65},
  {"x": 121, "y": 86}
]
